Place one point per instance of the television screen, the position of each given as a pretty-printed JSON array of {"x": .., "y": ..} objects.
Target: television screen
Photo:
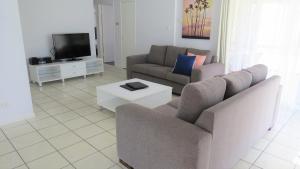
[{"x": 69, "y": 46}]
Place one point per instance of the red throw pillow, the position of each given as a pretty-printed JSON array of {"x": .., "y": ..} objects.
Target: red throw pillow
[{"x": 199, "y": 61}]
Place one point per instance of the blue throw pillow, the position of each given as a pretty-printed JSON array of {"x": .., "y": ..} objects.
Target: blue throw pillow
[{"x": 184, "y": 65}]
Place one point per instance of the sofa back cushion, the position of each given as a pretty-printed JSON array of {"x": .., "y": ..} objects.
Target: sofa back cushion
[
  {"x": 199, "y": 96},
  {"x": 237, "y": 82},
  {"x": 172, "y": 54},
  {"x": 259, "y": 73},
  {"x": 207, "y": 53},
  {"x": 157, "y": 55}
]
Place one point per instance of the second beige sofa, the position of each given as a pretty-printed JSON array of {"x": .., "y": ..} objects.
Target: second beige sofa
[{"x": 212, "y": 125}]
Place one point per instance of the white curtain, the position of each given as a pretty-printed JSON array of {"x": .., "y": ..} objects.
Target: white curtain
[{"x": 267, "y": 32}]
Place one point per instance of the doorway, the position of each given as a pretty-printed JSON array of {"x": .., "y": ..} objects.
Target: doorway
[{"x": 116, "y": 29}]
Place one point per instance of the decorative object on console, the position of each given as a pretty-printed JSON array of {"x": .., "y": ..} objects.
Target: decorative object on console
[
  {"x": 199, "y": 61},
  {"x": 197, "y": 18},
  {"x": 184, "y": 65},
  {"x": 38, "y": 61},
  {"x": 33, "y": 61}
]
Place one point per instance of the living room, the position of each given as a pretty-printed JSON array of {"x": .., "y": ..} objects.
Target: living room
[{"x": 173, "y": 84}]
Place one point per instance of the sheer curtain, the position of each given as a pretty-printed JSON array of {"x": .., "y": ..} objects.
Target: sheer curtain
[{"x": 266, "y": 32}]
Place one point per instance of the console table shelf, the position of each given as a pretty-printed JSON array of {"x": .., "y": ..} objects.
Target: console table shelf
[{"x": 64, "y": 70}]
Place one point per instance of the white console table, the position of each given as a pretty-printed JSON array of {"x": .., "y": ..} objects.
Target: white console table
[{"x": 64, "y": 70}]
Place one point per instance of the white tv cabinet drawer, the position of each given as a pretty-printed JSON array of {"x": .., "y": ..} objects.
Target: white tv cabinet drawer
[
  {"x": 64, "y": 70},
  {"x": 73, "y": 69}
]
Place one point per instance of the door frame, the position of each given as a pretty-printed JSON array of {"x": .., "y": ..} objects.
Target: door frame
[{"x": 118, "y": 30}]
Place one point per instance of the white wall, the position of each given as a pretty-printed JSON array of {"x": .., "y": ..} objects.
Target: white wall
[
  {"x": 159, "y": 22},
  {"x": 15, "y": 98},
  {"x": 155, "y": 23},
  {"x": 42, "y": 18}
]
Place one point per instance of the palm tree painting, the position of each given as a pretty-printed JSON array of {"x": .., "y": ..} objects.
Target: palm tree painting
[{"x": 197, "y": 19}]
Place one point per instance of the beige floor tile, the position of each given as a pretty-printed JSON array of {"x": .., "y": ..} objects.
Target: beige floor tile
[
  {"x": 36, "y": 151},
  {"x": 96, "y": 117},
  {"x": 49, "y": 105},
  {"x": 42, "y": 100},
  {"x": 95, "y": 161},
  {"x": 52, "y": 161},
  {"x": 86, "y": 110},
  {"x": 113, "y": 132},
  {"x": 252, "y": 155},
  {"x": 67, "y": 101},
  {"x": 76, "y": 105},
  {"x": 44, "y": 123},
  {"x": 10, "y": 161},
  {"x": 261, "y": 144},
  {"x": 64, "y": 117},
  {"x": 64, "y": 140},
  {"x": 115, "y": 167},
  {"x": 102, "y": 141},
  {"x": 5, "y": 147},
  {"x": 282, "y": 152},
  {"x": 255, "y": 167},
  {"x": 68, "y": 167},
  {"x": 22, "y": 167},
  {"x": 242, "y": 165},
  {"x": 40, "y": 115},
  {"x": 111, "y": 152},
  {"x": 89, "y": 131},
  {"x": 77, "y": 123},
  {"x": 26, "y": 140},
  {"x": 267, "y": 161},
  {"x": 107, "y": 124},
  {"x": 58, "y": 110},
  {"x": 78, "y": 151},
  {"x": 288, "y": 140},
  {"x": 54, "y": 131},
  {"x": 18, "y": 131},
  {"x": 2, "y": 137}
]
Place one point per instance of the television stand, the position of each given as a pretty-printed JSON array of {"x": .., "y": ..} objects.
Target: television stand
[{"x": 64, "y": 70}]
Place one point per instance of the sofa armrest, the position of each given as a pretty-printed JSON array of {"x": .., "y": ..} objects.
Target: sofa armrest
[
  {"x": 208, "y": 71},
  {"x": 132, "y": 60},
  {"x": 149, "y": 139}
]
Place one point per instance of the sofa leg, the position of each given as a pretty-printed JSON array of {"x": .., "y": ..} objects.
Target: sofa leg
[{"x": 125, "y": 164}]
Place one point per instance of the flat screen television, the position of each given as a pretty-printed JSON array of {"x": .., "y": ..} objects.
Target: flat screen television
[{"x": 71, "y": 46}]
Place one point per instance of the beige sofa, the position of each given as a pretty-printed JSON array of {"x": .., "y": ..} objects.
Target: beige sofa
[
  {"x": 157, "y": 66},
  {"x": 212, "y": 125}
]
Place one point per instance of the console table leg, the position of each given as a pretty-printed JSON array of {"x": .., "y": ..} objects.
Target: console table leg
[{"x": 40, "y": 84}]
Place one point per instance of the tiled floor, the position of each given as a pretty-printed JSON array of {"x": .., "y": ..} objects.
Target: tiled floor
[{"x": 70, "y": 131}]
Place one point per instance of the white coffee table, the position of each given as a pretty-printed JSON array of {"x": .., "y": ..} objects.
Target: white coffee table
[{"x": 112, "y": 95}]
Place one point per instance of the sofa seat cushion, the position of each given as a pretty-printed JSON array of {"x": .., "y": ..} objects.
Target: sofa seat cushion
[
  {"x": 175, "y": 103},
  {"x": 237, "y": 82},
  {"x": 167, "y": 110},
  {"x": 259, "y": 73},
  {"x": 207, "y": 53},
  {"x": 157, "y": 55},
  {"x": 177, "y": 78},
  {"x": 152, "y": 70},
  {"x": 196, "y": 97},
  {"x": 172, "y": 54}
]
